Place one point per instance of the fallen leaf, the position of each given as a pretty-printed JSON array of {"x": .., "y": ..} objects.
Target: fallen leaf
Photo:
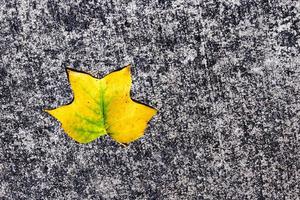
[{"x": 103, "y": 106}]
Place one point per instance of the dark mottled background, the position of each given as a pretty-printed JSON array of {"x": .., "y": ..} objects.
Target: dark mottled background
[{"x": 224, "y": 76}]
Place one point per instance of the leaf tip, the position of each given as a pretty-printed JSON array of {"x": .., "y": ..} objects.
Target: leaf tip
[
  {"x": 46, "y": 110},
  {"x": 155, "y": 111},
  {"x": 127, "y": 68},
  {"x": 52, "y": 112},
  {"x": 69, "y": 70},
  {"x": 49, "y": 111}
]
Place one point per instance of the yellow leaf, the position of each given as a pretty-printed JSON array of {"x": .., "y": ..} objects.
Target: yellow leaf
[{"x": 103, "y": 106}]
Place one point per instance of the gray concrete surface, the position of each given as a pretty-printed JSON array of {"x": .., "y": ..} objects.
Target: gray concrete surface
[{"x": 224, "y": 76}]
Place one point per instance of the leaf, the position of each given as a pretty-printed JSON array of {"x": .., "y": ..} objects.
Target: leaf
[{"x": 103, "y": 106}]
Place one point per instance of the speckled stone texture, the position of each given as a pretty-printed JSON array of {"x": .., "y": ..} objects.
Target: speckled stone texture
[{"x": 224, "y": 76}]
